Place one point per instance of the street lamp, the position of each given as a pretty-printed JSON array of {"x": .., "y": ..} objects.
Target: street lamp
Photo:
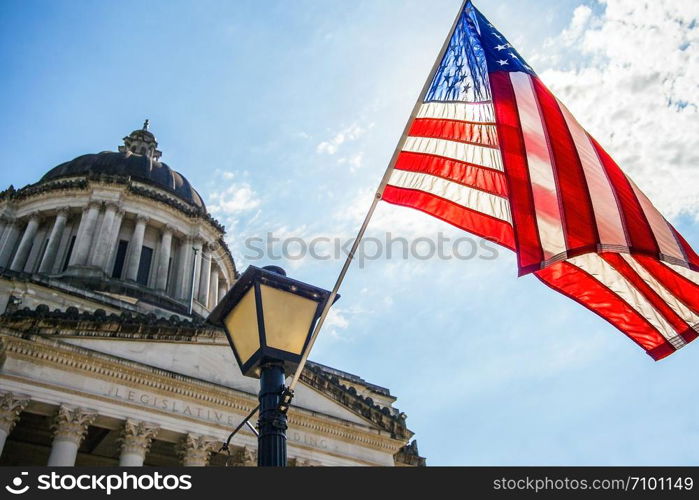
[{"x": 269, "y": 319}]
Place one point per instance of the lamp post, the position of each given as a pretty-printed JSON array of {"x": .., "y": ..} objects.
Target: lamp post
[{"x": 268, "y": 319}]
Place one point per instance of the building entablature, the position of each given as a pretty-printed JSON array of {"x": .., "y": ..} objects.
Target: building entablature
[
  {"x": 138, "y": 327},
  {"x": 53, "y": 373}
]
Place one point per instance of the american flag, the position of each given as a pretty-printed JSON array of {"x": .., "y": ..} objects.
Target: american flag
[{"x": 492, "y": 151}]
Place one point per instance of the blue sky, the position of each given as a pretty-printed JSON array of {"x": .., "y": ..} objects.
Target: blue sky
[{"x": 284, "y": 114}]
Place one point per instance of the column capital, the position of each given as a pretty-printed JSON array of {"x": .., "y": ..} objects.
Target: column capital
[
  {"x": 113, "y": 205},
  {"x": 142, "y": 218},
  {"x": 302, "y": 462},
  {"x": 70, "y": 424},
  {"x": 198, "y": 242},
  {"x": 194, "y": 449},
  {"x": 11, "y": 405},
  {"x": 93, "y": 204},
  {"x": 6, "y": 219},
  {"x": 65, "y": 211},
  {"x": 33, "y": 216},
  {"x": 244, "y": 457},
  {"x": 168, "y": 228},
  {"x": 136, "y": 436}
]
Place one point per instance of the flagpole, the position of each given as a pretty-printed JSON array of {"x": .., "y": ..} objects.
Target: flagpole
[{"x": 374, "y": 203}]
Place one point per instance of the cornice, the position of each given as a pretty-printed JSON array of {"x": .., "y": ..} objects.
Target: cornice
[
  {"x": 71, "y": 322},
  {"x": 41, "y": 188},
  {"x": 381, "y": 417}
]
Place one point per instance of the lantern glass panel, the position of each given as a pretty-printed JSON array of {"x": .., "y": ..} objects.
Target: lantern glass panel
[
  {"x": 242, "y": 326},
  {"x": 288, "y": 319}
]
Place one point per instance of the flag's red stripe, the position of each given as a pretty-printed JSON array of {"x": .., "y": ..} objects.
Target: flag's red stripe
[
  {"x": 478, "y": 223},
  {"x": 639, "y": 233},
  {"x": 682, "y": 288},
  {"x": 453, "y": 130},
  {"x": 579, "y": 222},
  {"x": 529, "y": 252},
  {"x": 623, "y": 267},
  {"x": 481, "y": 178},
  {"x": 690, "y": 254},
  {"x": 578, "y": 285}
]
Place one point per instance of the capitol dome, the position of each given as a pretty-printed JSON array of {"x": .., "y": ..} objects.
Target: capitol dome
[
  {"x": 122, "y": 226},
  {"x": 134, "y": 166}
]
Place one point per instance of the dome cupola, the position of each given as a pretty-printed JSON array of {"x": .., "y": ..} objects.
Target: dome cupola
[
  {"x": 138, "y": 159},
  {"x": 142, "y": 143}
]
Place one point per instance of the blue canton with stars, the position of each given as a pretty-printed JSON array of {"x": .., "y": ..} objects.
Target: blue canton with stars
[{"x": 475, "y": 49}]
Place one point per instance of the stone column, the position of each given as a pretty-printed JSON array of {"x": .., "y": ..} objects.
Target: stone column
[
  {"x": 25, "y": 244},
  {"x": 194, "y": 450},
  {"x": 101, "y": 249},
  {"x": 135, "y": 246},
  {"x": 244, "y": 457},
  {"x": 184, "y": 269},
  {"x": 69, "y": 429},
  {"x": 164, "y": 258},
  {"x": 3, "y": 224},
  {"x": 7, "y": 244},
  {"x": 205, "y": 276},
  {"x": 136, "y": 439},
  {"x": 59, "y": 226},
  {"x": 114, "y": 242},
  {"x": 10, "y": 408},
  {"x": 213, "y": 289},
  {"x": 222, "y": 289},
  {"x": 195, "y": 276},
  {"x": 83, "y": 239}
]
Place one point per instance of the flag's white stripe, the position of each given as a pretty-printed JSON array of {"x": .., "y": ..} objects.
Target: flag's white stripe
[
  {"x": 675, "y": 304},
  {"x": 541, "y": 174},
  {"x": 661, "y": 230},
  {"x": 683, "y": 271},
  {"x": 461, "y": 111},
  {"x": 601, "y": 270},
  {"x": 478, "y": 155},
  {"x": 473, "y": 199},
  {"x": 604, "y": 204}
]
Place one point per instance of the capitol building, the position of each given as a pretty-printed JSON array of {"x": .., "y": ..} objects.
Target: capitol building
[{"x": 109, "y": 265}]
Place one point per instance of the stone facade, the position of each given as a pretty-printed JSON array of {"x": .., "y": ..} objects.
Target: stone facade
[{"x": 105, "y": 358}]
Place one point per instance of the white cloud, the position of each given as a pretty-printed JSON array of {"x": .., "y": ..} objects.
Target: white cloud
[
  {"x": 351, "y": 133},
  {"x": 634, "y": 88},
  {"x": 354, "y": 162},
  {"x": 336, "y": 319},
  {"x": 581, "y": 19},
  {"x": 235, "y": 198}
]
